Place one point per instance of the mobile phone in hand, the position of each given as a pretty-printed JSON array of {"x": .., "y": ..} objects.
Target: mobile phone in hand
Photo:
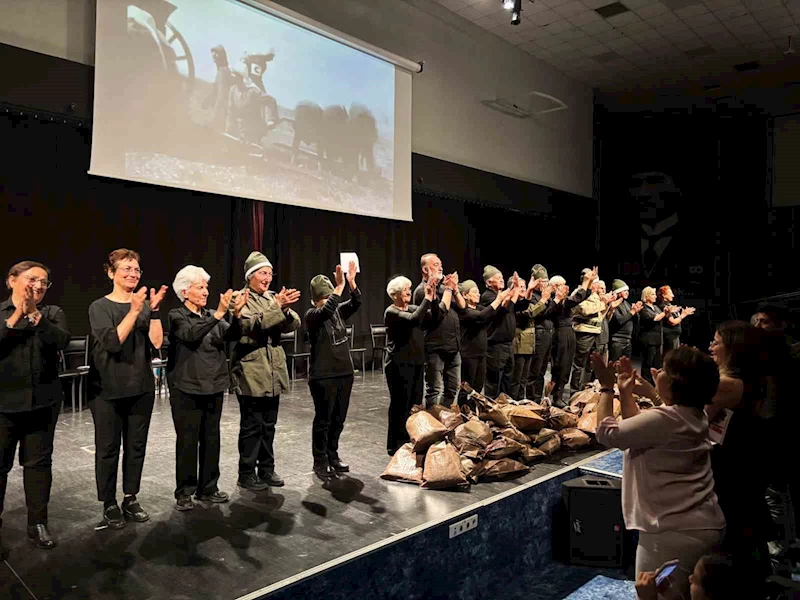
[{"x": 665, "y": 571}]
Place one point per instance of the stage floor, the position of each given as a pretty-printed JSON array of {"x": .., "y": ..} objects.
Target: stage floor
[{"x": 224, "y": 551}]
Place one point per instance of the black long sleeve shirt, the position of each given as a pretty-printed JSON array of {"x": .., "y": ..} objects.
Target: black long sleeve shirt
[
  {"x": 29, "y": 359},
  {"x": 474, "y": 323},
  {"x": 119, "y": 369},
  {"x": 621, "y": 324},
  {"x": 669, "y": 328},
  {"x": 442, "y": 331},
  {"x": 330, "y": 350},
  {"x": 650, "y": 329},
  {"x": 504, "y": 324},
  {"x": 405, "y": 339},
  {"x": 561, "y": 313},
  {"x": 196, "y": 360},
  {"x": 542, "y": 320}
]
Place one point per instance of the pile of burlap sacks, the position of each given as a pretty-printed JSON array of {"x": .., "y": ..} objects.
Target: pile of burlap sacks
[{"x": 491, "y": 439}]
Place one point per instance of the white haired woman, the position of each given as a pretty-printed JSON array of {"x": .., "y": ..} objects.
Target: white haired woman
[
  {"x": 651, "y": 331},
  {"x": 405, "y": 354},
  {"x": 198, "y": 375}
]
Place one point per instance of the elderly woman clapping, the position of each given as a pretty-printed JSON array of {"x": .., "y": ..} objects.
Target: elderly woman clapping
[
  {"x": 197, "y": 374},
  {"x": 405, "y": 353},
  {"x": 651, "y": 331}
]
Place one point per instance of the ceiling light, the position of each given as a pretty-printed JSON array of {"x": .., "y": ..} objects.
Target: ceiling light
[{"x": 516, "y": 12}]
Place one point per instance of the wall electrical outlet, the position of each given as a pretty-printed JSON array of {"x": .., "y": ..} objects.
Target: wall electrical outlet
[{"x": 463, "y": 526}]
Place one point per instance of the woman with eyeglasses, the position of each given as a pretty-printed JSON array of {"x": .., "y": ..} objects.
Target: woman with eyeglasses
[
  {"x": 330, "y": 376},
  {"x": 126, "y": 327},
  {"x": 31, "y": 335}
]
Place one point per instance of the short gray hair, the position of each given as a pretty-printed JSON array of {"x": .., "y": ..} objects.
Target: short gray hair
[
  {"x": 397, "y": 285},
  {"x": 557, "y": 280},
  {"x": 186, "y": 277},
  {"x": 648, "y": 291}
]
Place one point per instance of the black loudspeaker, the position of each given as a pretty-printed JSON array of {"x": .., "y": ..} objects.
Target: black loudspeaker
[{"x": 596, "y": 528}]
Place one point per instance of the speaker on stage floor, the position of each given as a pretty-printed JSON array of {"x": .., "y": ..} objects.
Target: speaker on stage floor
[{"x": 596, "y": 528}]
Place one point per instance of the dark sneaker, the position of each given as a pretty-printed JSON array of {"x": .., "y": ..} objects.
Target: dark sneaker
[
  {"x": 133, "y": 510},
  {"x": 339, "y": 466},
  {"x": 184, "y": 503},
  {"x": 112, "y": 518},
  {"x": 252, "y": 482},
  {"x": 217, "y": 497},
  {"x": 272, "y": 479},
  {"x": 324, "y": 471}
]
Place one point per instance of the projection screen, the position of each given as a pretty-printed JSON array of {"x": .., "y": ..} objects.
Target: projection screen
[{"x": 238, "y": 98}]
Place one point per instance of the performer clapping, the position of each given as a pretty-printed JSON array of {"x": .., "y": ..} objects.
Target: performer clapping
[
  {"x": 258, "y": 371},
  {"x": 672, "y": 322},
  {"x": 31, "y": 335},
  {"x": 650, "y": 331},
  {"x": 621, "y": 315},
  {"x": 126, "y": 327},
  {"x": 405, "y": 353},
  {"x": 198, "y": 375},
  {"x": 331, "y": 366}
]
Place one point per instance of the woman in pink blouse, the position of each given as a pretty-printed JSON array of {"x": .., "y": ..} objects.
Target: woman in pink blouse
[{"x": 667, "y": 484}]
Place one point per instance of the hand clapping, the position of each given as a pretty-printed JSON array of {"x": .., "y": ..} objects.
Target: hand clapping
[
  {"x": 157, "y": 296},
  {"x": 137, "y": 300},
  {"x": 351, "y": 273},
  {"x": 286, "y": 297},
  {"x": 239, "y": 302}
]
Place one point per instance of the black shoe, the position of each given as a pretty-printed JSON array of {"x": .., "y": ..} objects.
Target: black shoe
[
  {"x": 112, "y": 518},
  {"x": 272, "y": 479},
  {"x": 339, "y": 466},
  {"x": 133, "y": 510},
  {"x": 324, "y": 471},
  {"x": 252, "y": 482},
  {"x": 40, "y": 536},
  {"x": 217, "y": 497},
  {"x": 184, "y": 503}
]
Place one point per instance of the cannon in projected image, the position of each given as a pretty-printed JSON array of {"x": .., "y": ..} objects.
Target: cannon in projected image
[{"x": 333, "y": 139}]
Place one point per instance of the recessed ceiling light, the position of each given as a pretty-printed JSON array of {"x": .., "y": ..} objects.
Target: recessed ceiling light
[{"x": 609, "y": 10}]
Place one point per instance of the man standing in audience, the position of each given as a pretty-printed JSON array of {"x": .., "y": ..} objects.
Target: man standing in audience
[
  {"x": 543, "y": 330},
  {"x": 500, "y": 355},
  {"x": 442, "y": 335},
  {"x": 621, "y": 315}
]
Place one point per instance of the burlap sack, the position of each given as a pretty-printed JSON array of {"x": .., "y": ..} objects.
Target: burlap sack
[
  {"x": 503, "y": 398},
  {"x": 442, "y": 467},
  {"x": 534, "y": 406},
  {"x": 496, "y": 415},
  {"x": 515, "y": 434},
  {"x": 470, "y": 467},
  {"x": 584, "y": 397},
  {"x": 561, "y": 419},
  {"x": 573, "y": 438},
  {"x": 405, "y": 466},
  {"x": 451, "y": 419},
  {"x": 501, "y": 469},
  {"x": 523, "y": 418},
  {"x": 573, "y": 409},
  {"x": 502, "y": 447},
  {"x": 588, "y": 423},
  {"x": 472, "y": 437},
  {"x": 551, "y": 445},
  {"x": 544, "y": 435},
  {"x": 589, "y": 408},
  {"x": 424, "y": 429},
  {"x": 530, "y": 455}
]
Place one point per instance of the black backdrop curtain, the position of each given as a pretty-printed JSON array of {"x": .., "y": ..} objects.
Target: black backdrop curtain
[{"x": 56, "y": 213}]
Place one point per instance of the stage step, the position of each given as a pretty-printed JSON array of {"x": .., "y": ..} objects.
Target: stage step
[{"x": 604, "y": 588}]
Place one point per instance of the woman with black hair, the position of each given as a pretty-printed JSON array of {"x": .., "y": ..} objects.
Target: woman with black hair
[
  {"x": 31, "y": 335},
  {"x": 667, "y": 483}
]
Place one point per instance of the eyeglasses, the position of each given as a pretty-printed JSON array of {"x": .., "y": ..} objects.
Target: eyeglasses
[
  {"x": 35, "y": 281},
  {"x": 128, "y": 270}
]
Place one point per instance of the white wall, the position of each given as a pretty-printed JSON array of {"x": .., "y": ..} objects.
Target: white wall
[{"x": 464, "y": 64}]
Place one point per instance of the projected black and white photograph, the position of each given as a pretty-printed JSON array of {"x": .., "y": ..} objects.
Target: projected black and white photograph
[{"x": 221, "y": 96}]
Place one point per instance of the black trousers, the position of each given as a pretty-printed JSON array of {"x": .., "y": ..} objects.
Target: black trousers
[
  {"x": 618, "y": 348},
  {"x": 499, "y": 369},
  {"x": 563, "y": 352},
  {"x": 519, "y": 377},
  {"x": 331, "y": 401},
  {"x": 671, "y": 342},
  {"x": 541, "y": 356},
  {"x": 405, "y": 390},
  {"x": 585, "y": 344},
  {"x": 258, "y": 416},
  {"x": 33, "y": 431},
  {"x": 196, "y": 418},
  {"x": 125, "y": 421},
  {"x": 651, "y": 358},
  {"x": 473, "y": 372}
]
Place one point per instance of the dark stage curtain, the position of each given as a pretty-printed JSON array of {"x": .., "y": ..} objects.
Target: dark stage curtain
[{"x": 58, "y": 214}]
